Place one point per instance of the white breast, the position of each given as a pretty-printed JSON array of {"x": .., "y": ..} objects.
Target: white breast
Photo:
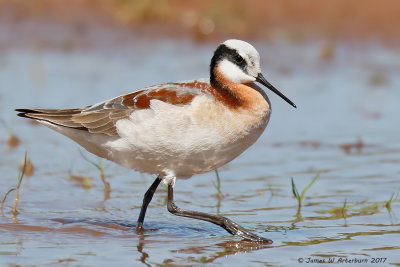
[{"x": 185, "y": 140}]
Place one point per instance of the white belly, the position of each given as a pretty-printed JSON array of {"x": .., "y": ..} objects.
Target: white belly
[{"x": 185, "y": 140}]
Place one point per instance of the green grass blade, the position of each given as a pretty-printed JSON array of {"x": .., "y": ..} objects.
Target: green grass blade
[
  {"x": 309, "y": 185},
  {"x": 294, "y": 190},
  {"x": 22, "y": 171},
  {"x": 88, "y": 160},
  {"x": 5, "y": 197},
  {"x": 218, "y": 184},
  {"x": 100, "y": 164}
]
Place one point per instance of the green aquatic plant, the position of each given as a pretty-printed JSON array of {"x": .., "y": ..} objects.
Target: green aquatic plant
[
  {"x": 217, "y": 185},
  {"x": 20, "y": 177},
  {"x": 338, "y": 212},
  {"x": 298, "y": 196},
  {"x": 99, "y": 166},
  {"x": 361, "y": 208},
  {"x": 343, "y": 210},
  {"x": 370, "y": 209},
  {"x": 388, "y": 204}
]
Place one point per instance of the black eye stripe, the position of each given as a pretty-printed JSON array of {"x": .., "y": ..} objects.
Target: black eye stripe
[
  {"x": 239, "y": 58},
  {"x": 224, "y": 52}
]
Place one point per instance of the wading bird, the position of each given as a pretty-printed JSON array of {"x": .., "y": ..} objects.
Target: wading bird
[{"x": 177, "y": 129}]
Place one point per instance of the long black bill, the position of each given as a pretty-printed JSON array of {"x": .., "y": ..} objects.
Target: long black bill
[{"x": 260, "y": 78}]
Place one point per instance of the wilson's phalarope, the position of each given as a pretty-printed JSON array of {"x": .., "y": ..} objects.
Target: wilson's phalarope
[{"x": 177, "y": 129}]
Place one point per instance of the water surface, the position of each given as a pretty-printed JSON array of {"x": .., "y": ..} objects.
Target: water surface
[{"x": 346, "y": 125}]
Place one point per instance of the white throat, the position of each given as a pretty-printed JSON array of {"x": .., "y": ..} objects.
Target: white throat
[{"x": 234, "y": 73}]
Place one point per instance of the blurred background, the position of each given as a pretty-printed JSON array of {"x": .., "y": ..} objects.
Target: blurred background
[
  {"x": 338, "y": 61},
  {"x": 204, "y": 20}
]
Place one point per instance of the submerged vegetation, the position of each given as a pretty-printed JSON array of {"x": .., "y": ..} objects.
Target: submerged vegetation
[
  {"x": 388, "y": 204},
  {"x": 362, "y": 208},
  {"x": 354, "y": 212},
  {"x": 12, "y": 140},
  {"x": 80, "y": 180},
  {"x": 27, "y": 165}
]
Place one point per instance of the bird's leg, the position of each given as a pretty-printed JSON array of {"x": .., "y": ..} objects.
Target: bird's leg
[
  {"x": 230, "y": 226},
  {"x": 146, "y": 201}
]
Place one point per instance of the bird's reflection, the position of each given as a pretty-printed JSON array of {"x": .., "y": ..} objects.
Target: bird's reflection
[
  {"x": 144, "y": 256},
  {"x": 209, "y": 252},
  {"x": 220, "y": 250}
]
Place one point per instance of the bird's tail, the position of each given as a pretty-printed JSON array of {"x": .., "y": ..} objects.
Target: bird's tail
[{"x": 61, "y": 117}]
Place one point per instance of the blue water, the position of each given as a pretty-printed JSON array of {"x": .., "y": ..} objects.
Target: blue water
[{"x": 352, "y": 98}]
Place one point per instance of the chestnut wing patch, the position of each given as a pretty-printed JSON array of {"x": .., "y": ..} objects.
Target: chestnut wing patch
[
  {"x": 141, "y": 99},
  {"x": 102, "y": 118}
]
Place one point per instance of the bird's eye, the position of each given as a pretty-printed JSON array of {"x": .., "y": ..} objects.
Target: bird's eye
[{"x": 239, "y": 59}]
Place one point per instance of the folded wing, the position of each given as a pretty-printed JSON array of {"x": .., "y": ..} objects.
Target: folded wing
[{"x": 101, "y": 118}]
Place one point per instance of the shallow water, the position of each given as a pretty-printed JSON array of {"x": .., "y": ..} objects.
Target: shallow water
[{"x": 346, "y": 126}]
